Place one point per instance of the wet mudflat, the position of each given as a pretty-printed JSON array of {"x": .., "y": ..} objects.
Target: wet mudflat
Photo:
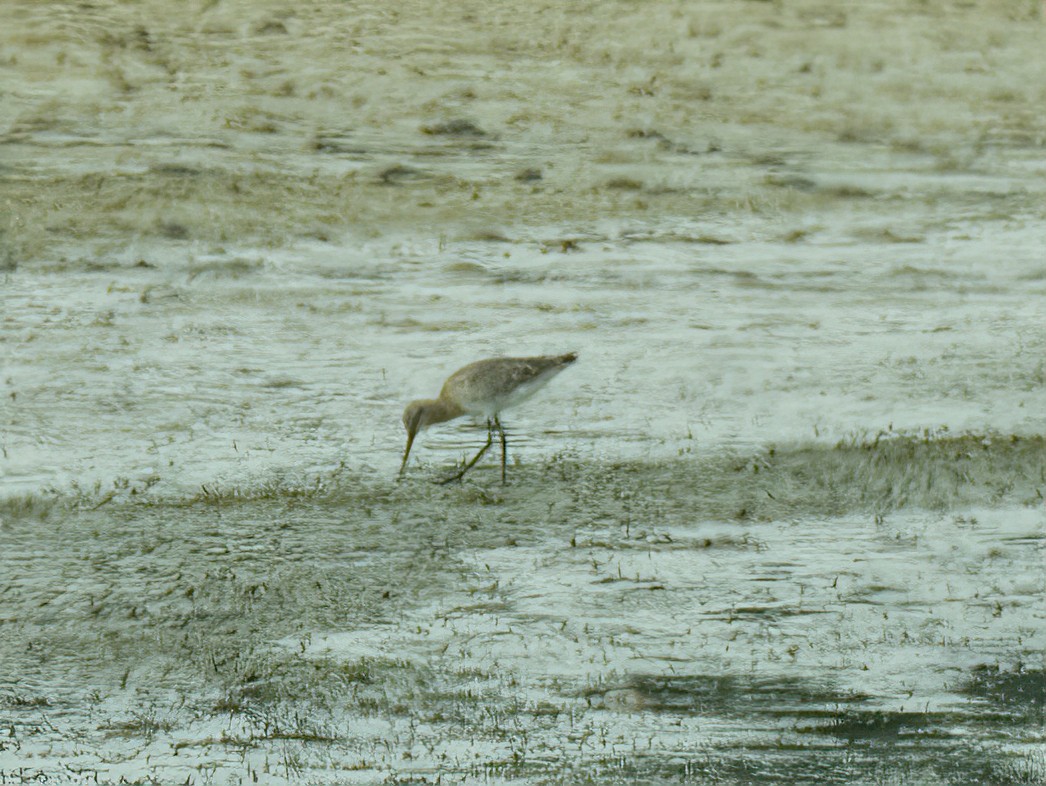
[
  {"x": 861, "y": 613},
  {"x": 783, "y": 520}
]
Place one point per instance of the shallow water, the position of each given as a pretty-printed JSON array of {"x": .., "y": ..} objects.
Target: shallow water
[
  {"x": 783, "y": 521},
  {"x": 726, "y": 619},
  {"x": 232, "y": 369}
]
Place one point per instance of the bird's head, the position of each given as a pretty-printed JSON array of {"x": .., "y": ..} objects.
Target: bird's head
[{"x": 414, "y": 419}]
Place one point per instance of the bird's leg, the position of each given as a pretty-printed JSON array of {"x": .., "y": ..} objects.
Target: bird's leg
[
  {"x": 472, "y": 463},
  {"x": 504, "y": 445}
]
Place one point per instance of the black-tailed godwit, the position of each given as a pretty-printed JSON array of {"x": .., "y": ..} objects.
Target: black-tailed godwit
[{"x": 483, "y": 389}]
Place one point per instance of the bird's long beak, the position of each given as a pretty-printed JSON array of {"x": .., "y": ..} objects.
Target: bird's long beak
[{"x": 406, "y": 453}]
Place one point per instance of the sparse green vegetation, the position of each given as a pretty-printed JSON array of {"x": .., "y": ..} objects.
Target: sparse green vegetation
[
  {"x": 369, "y": 622},
  {"x": 234, "y": 235}
]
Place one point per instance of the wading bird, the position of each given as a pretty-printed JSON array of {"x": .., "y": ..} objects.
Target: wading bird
[{"x": 483, "y": 389}]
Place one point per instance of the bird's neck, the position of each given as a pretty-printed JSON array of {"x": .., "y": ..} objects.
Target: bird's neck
[{"x": 439, "y": 410}]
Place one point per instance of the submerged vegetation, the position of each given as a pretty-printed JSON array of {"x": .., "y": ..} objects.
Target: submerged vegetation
[
  {"x": 237, "y": 236},
  {"x": 732, "y": 618},
  {"x": 932, "y": 470}
]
